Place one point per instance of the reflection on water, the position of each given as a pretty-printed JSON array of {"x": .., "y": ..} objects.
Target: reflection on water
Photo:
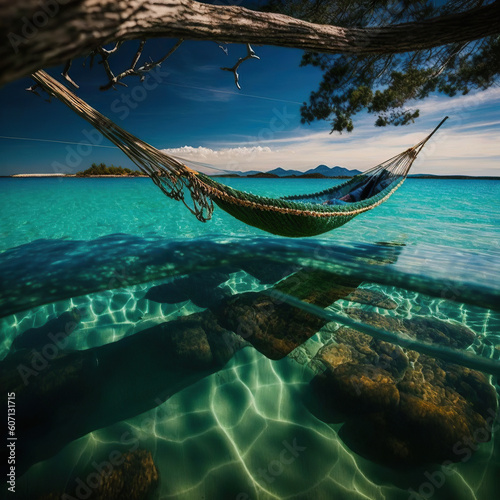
[{"x": 186, "y": 371}]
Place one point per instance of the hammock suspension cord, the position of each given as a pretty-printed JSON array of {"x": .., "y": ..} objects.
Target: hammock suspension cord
[{"x": 299, "y": 215}]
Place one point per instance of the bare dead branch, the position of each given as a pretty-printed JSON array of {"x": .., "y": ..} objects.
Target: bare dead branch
[
  {"x": 113, "y": 80},
  {"x": 33, "y": 90},
  {"x": 104, "y": 61},
  {"x": 113, "y": 50},
  {"x": 150, "y": 65},
  {"x": 250, "y": 55},
  {"x": 132, "y": 71},
  {"x": 66, "y": 76},
  {"x": 137, "y": 56},
  {"x": 222, "y": 47}
]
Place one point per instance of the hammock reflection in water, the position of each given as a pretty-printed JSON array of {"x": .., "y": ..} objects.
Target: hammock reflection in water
[{"x": 236, "y": 303}]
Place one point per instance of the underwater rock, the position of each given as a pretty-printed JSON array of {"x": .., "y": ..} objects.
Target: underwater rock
[
  {"x": 363, "y": 388},
  {"x": 32, "y": 374},
  {"x": 207, "y": 298},
  {"x": 271, "y": 326},
  {"x": 198, "y": 340},
  {"x": 55, "y": 329},
  {"x": 54, "y": 390},
  {"x": 317, "y": 287},
  {"x": 136, "y": 477},
  {"x": 417, "y": 432},
  {"x": 372, "y": 298},
  {"x": 473, "y": 386},
  {"x": 425, "y": 329},
  {"x": 365, "y": 350},
  {"x": 402, "y": 407},
  {"x": 362, "y": 372},
  {"x": 275, "y": 328},
  {"x": 440, "y": 332}
]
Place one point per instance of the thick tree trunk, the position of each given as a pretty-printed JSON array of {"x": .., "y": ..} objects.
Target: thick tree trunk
[{"x": 42, "y": 33}]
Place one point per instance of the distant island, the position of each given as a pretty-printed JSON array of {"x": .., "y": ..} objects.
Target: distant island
[
  {"x": 103, "y": 170},
  {"x": 320, "y": 172}
]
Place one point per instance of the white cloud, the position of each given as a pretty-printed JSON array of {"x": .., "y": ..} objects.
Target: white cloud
[
  {"x": 231, "y": 159},
  {"x": 222, "y": 155},
  {"x": 467, "y": 144},
  {"x": 458, "y": 105}
]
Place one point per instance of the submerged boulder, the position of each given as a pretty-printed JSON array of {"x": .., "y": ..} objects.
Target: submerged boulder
[
  {"x": 54, "y": 331},
  {"x": 372, "y": 298},
  {"x": 137, "y": 478},
  {"x": 274, "y": 327},
  {"x": 271, "y": 326},
  {"x": 55, "y": 389},
  {"x": 402, "y": 407},
  {"x": 320, "y": 288},
  {"x": 134, "y": 477},
  {"x": 430, "y": 330},
  {"x": 198, "y": 341}
]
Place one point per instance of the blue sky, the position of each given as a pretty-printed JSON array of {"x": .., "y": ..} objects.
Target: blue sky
[{"x": 193, "y": 109}]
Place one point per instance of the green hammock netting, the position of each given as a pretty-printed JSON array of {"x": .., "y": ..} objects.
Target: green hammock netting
[{"x": 302, "y": 215}]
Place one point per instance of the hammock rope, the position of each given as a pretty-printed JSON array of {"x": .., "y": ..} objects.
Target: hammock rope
[{"x": 299, "y": 215}]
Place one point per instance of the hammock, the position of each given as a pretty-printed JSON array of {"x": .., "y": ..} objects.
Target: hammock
[{"x": 302, "y": 215}]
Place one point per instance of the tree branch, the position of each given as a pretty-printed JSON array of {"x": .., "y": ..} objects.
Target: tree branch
[
  {"x": 79, "y": 26},
  {"x": 250, "y": 55},
  {"x": 141, "y": 72},
  {"x": 65, "y": 75},
  {"x": 113, "y": 80},
  {"x": 150, "y": 65}
]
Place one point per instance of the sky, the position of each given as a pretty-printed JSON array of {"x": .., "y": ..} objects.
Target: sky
[{"x": 189, "y": 107}]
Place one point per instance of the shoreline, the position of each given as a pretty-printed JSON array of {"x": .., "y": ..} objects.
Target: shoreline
[
  {"x": 59, "y": 176},
  {"x": 272, "y": 177}
]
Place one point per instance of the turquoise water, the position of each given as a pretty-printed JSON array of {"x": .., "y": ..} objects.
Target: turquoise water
[
  {"x": 458, "y": 214},
  {"x": 247, "y": 425}
]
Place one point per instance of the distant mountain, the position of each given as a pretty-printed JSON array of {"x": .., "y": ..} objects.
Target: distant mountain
[
  {"x": 281, "y": 172},
  {"x": 248, "y": 172},
  {"x": 264, "y": 175},
  {"x": 319, "y": 172},
  {"x": 236, "y": 173},
  {"x": 333, "y": 171},
  {"x": 423, "y": 175}
]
